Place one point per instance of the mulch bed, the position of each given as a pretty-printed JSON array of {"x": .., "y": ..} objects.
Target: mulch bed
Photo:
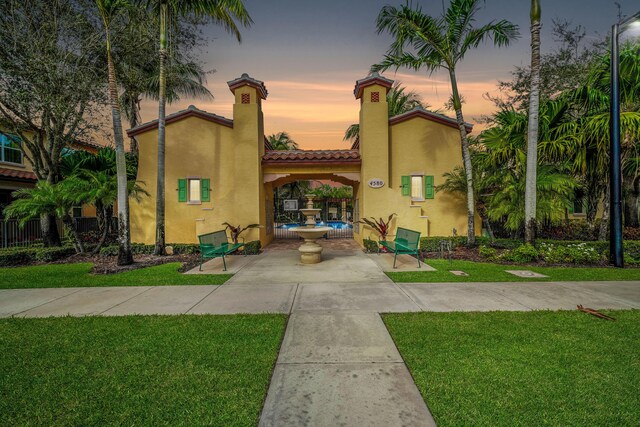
[{"x": 108, "y": 264}]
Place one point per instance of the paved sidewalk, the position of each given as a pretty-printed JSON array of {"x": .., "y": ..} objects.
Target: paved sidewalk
[{"x": 337, "y": 364}]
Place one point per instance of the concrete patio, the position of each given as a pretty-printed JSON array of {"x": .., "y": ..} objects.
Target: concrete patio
[{"x": 337, "y": 364}]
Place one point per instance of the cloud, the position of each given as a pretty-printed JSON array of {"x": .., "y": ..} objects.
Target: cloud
[{"x": 317, "y": 110}]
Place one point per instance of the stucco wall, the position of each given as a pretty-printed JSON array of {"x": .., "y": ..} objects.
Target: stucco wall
[
  {"x": 195, "y": 148},
  {"x": 415, "y": 146}
]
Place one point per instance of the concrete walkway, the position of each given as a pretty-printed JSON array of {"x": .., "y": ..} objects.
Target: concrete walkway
[{"x": 337, "y": 364}]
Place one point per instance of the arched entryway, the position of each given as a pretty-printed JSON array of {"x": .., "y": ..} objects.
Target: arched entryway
[{"x": 283, "y": 168}]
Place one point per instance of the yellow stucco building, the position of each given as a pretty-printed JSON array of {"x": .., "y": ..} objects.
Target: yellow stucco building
[
  {"x": 222, "y": 170},
  {"x": 16, "y": 170}
]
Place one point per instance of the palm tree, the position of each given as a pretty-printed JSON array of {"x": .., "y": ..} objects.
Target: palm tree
[
  {"x": 138, "y": 70},
  {"x": 505, "y": 145},
  {"x": 282, "y": 141},
  {"x": 108, "y": 10},
  {"x": 554, "y": 190},
  {"x": 591, "y": 104},
  {"x": 222, "y": 12},
  {"x": 485, "y": 183},
  {"x": 46, "y": 199},
  {"x": 422, "y": 41},
  {"x": 398, "y": 101},
  {"x": 532, "y": 136},
  {"x": 100, "y": 188},
  {"x": 93, "y": 180}
]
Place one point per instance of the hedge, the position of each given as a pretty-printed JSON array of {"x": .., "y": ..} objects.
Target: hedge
[
  {"x": 251, "y": 248},
  {"x": 432, "y": 244},
  {"x": 21, "y": 256}
]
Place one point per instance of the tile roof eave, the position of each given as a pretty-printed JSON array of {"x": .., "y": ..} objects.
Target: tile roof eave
[
  {"x": 310, "y": 162},
  {"x": 180, "y": 115},
  {"x": 428, "y": 115},
  {"x": 17, "y": 175}
]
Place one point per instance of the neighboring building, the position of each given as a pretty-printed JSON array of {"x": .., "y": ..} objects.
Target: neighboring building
[
  {"x": 220, "y": 170},
  {"x": 16, "y": 171}
]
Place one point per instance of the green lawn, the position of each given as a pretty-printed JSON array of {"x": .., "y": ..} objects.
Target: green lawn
[
  {"x": 487, "y": 272},
  {"x": 137, "y": 370},
  {"x": 72, "y": 275},
  {"x": 524, "y": 369}
]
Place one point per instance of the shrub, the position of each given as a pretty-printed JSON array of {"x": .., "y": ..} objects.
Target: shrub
[
  {"x": 570, "y": 230},
  {"x": 488, "y": 252},
  {"x": 53, "y": 254},
  {"x": 371, "y": 246},
  {"x": 579, "y": 253},
  {"x": 252, "y": 248},
  {"x": 522, "y": 254},
  {"x": 183, "y": 248},
  {"x": 432, "y": 244},
  {"x": 142, "y": 249},
  {"x": 21, "y": 256},
  {"x": 16, "y": 256}
]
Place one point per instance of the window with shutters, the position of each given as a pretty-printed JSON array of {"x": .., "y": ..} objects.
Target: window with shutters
[
  {"x": 194, "y": 190},
  {"x": 416, "y": 188}
]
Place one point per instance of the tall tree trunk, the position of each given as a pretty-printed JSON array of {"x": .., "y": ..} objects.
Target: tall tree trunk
[
  {"x": 631, "y": 193},
  {"x": 532, "y": 135},
  {"x": 160, "y": 202},
  {"x": 482, "y": 212},
  {"x": 604, "y": 225},
  {"x": 466, "y": 158},
  {"x": 77, "y": 241},
  {"x": 105, "y": 233},
  {"x": 49, "y": 228},
  {"x": 134, "y": 121},
  {"x": 48, "y": 224},
  {"x": 125, "y": 256}
]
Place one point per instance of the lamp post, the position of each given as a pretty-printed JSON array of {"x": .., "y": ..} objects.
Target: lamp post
[{"x": 615, "y": 179}]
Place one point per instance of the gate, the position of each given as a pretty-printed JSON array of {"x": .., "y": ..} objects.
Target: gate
[{"x": 334, "y": 213}]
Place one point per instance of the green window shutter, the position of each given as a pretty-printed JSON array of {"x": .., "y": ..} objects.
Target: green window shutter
[
  {"x": 570, "y": 209},
  {"x": 429, "y": 190},
  {"x": 406, "y": 185},
  {"x": 182, "y": 190},
  {"x": 204, "y": 190}
]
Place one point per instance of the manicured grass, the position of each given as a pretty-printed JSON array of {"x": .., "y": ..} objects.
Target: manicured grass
[
  {"x": 72, "y": 275},
  {"x": 524, "y": 369},
  {"x": 137, "y": 370},
  {"x": 487, "y": 272}
]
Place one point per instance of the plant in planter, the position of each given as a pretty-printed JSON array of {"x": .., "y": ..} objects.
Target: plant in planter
[
  {"x": 236, "y": 231},
  {"x": 379, "y": 225}
]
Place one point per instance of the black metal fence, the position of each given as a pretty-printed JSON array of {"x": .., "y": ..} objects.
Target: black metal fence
[
  {"x": 334, "y": 213},
  {"x": 12, "y": 235}
]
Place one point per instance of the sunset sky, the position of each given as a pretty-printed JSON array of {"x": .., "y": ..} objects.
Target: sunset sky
[{"x": 310, "y": 53}]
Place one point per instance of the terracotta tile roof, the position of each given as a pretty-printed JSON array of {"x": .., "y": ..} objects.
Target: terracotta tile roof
[
  {"x": 17, "y": 174},
  {"x": 191, "y": 111},
  {"x": 311, "y": 156},
  {"x": 371, "y": 79},
  {"x": 246, "y": 80}
]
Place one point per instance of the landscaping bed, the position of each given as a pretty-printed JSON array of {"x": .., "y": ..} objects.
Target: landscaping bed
[
  {"x": 514, "y": 252},
  {"x": 80, "y": 275},
  {"x": 105, "y": 261},
  {"x": 492, "y": 272},
  {"x": 137, "y": 370},
  {"x": 532, "y": 368},
  {"x": 103, "y": 264}
]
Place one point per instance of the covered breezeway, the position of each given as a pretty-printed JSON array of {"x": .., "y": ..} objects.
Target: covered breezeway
[{"x": 284, "y": 167}]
